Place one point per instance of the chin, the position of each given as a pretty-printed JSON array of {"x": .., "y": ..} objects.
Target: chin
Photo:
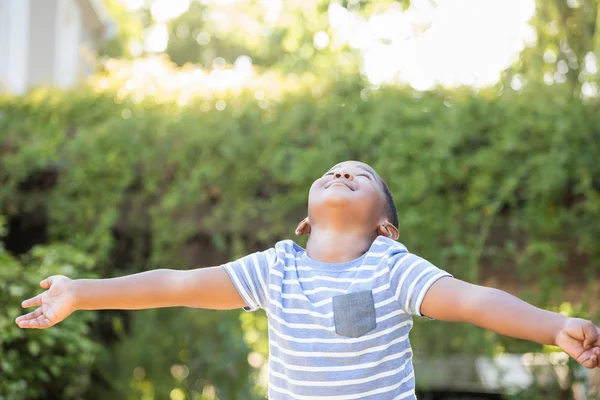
[
  {"x": 342, "y": 205},
  {"x": 339, "y": 199},
  {"x": 337, "y": 202}
]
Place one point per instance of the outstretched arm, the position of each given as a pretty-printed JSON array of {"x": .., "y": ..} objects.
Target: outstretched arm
[
  {"x": 450, "y": 299},
  {"x": 203, "y": 288}
]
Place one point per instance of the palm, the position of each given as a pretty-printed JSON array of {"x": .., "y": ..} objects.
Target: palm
[
  {"x": 55, "y": 304},
  {"x": 572, "y": 339}
]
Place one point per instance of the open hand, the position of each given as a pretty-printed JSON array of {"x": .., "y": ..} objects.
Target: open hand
[
  {"x": 581, "y": 340},
  {"x": 55, "y": 304}
]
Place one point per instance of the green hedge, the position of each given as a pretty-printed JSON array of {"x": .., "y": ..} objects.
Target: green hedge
[
  {"x": 36, "y": 364},
  {"x": 489, "y": 183}
]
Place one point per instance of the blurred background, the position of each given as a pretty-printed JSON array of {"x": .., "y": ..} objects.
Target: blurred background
[{"x": 143, "y": 134}]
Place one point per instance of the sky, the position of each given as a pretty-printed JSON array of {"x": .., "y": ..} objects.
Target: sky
[{"x": 448, "y": 42}]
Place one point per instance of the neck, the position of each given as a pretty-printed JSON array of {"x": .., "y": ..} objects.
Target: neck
[{"x": 335, "y": 246}]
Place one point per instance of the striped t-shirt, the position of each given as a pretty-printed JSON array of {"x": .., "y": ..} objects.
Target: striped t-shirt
[{"x": 337, "y": 331}]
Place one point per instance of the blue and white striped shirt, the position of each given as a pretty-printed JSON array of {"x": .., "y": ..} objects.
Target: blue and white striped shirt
[{"x": 337, "y": 331}]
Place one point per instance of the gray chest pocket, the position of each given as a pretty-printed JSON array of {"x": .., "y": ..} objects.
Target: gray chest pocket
[{"x": 354, "y": 313}]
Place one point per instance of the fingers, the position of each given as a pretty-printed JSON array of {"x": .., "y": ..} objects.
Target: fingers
[
  {"x": 31, "y": 315},
  {"x": 590, "y": 334},
  {"x": 37, "y": 300},
  {"x": 37, "y": 319},
  {"x": 591, "y": 362},
  {"x": 46, "y": 283},
  {"x": 34, "y": 301},
  {"x": 590, "y": 358},
  {"x": 40, "y": 322}
]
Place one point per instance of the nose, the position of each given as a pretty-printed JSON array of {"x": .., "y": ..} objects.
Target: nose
[{"x": 343, "y": 174}]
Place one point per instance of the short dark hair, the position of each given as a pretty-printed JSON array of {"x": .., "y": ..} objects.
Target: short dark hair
[{"x": 390, "y": 207}]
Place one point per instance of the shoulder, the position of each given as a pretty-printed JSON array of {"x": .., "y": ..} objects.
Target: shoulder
[
  {"x": 388, "y": 247},
  {"x": 397, "y": 255},
  {"x": 269, "y": 257},
  {"x": 286, "y": 249}
]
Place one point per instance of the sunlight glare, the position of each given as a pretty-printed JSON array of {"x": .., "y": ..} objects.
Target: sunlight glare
[
  {"x": 450, "y": 42},
  {"x": 589, "y": 89},
  {"x": 164, "y": 10},
  {"x": 133, "y": 5},
  {"x": 156, "y": 38},
  {"x": 274, "y": 8},
  {"x": 590, "y": 63},
  {"x": 458, "y": 42},
  {"x": 321, "y": 40}
]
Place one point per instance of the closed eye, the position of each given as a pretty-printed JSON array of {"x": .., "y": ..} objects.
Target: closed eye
[{"x": 365, "y": 175}]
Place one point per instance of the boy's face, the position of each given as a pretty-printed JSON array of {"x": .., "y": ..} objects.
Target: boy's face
[{"x": 353, "y": 187}]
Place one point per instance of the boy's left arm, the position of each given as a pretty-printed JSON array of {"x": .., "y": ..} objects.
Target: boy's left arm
[{"x": 451, "y": 299}]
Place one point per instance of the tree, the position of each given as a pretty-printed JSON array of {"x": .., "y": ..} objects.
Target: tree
[
  {"x": 567, "y": 47},
  {"x": 295, "y": 37},
  {"x": 129, "y": 31}
]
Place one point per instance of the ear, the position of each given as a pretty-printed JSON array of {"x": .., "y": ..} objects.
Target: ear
[
  {"x": 389, "y": 230},
  {"x": 303, "y": 227}
]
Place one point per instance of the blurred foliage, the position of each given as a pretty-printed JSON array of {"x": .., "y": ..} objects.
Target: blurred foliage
[
  {"x": 567, "y": 45},
  {"x": 194, "y": 352},
  {"x": 128, "y": 30},
  {"x": 47, "y": 364},
  {"x": 247, "y": 28},
  {"x": 272, "y": 34},
  {"x": 281, "y": 35},
  {"x": 204, "y": 33},
  {"x": 139, "y": 178}
]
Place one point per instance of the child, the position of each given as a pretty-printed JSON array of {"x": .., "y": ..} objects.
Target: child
[{"x": 340, "y": 311}]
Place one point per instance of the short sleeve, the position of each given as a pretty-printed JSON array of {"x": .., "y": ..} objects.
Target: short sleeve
[
  {"x": 410, "y": 278},
  {"x": 249, "y": 275}
]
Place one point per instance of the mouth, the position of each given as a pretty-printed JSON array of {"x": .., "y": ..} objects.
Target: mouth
[{"x": 339, "y": 184}]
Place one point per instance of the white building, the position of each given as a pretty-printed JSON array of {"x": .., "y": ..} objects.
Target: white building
[{"x": 49, "y": 42}]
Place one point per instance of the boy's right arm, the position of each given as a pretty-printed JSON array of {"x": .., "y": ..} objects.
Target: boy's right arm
[{"x": 201, "y": 288}]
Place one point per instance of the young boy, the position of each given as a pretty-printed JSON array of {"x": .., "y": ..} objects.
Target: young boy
[{"x": 340, "y": 311}]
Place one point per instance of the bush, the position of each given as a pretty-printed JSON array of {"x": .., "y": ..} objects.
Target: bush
[{"x": 42, "y": 364}]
